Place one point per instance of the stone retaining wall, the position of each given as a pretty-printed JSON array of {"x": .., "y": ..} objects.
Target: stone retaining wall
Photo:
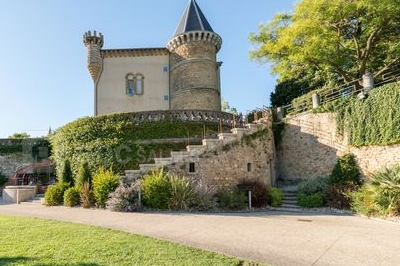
[
  {"x": 311, "y": 145},
  {"x": 17, "y": 194}
]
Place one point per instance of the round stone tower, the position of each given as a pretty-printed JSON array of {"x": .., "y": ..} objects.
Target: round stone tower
[
  {"x": 93, "y": 44},
  {"x": 194, "y": 70}
]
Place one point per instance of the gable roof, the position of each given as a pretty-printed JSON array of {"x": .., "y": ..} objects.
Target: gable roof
[{"x": 193, "y": 19}]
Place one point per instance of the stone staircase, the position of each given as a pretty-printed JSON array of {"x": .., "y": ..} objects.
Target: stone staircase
[
  {"x": 289, "y": 200},
  {"x": 37, "y": 200},
  {"x": 193, "y": 151}
]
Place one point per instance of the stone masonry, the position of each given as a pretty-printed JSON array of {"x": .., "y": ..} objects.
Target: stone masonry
[
  {"x": 311, "y": 145},
  {"x": 245, "y": 154}
]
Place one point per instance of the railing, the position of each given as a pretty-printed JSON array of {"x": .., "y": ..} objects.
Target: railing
[
  {"x": 222, "y": 118},
  {"x": 358, "y": 87}
]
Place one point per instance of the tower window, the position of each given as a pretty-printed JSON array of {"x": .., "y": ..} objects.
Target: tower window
[
  {"x": 130, "y": 85},
  {"x": 134, "y": 84},
  {"x": 165, "y": 69},
  {"x": 249, "y": 167},
  {"x": 192, "y": 168}
]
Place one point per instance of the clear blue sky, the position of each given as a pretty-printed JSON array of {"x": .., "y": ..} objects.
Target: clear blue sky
[{"x": 43, "y": 77}]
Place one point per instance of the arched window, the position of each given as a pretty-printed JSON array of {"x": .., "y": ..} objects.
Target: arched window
[
  {"x": 139, "y": 84},
  {"x": 130, "y": 84},
  {"x": 134, "y": 84}
]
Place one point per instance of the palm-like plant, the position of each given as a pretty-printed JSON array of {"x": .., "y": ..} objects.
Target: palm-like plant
[
  {"x": 182, "y": 193},
  {"x": 387, "y": 188}
]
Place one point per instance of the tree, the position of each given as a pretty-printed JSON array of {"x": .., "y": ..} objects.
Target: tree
[
  {"x": 346, "y": 38},
  {"x": 84, "y": 175},
  {"x": 3, "y": 181},
  {"x": 225, "y": 107},
  {"x": 287, "y": 90},
  {"x": 67, "y": 176},
  {"x": 19, "y": 136}
]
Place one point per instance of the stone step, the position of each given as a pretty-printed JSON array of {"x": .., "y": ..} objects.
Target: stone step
[
  {"x": 288, "y": 205},
  {"x": 286, "y": 209},
  {"x": 212, "y": 144},
  {"x": 195, "y": 150},
  {"x": 289, "y": 201},
  {"x": 227, "y": 137},
  {"x": 239, "y": 132},
  {"x": 290, "y": 195},
  {"x": 178, "y": 156},
  {"x": 131, "y": 175},
  {"x": 163, "y": 161},
  {"x": 147, "y": 167}
]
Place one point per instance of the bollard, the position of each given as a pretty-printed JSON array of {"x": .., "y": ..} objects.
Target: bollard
[
  {"x": 316, "y": 101},
  {"x": 250, "y": 199},
  {"x": 368, "y": 81}
]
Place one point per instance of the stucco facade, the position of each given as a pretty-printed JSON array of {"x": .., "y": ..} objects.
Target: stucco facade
[
  {"x": 182, "y": 76},
  {"x": 111, "y": 87}
]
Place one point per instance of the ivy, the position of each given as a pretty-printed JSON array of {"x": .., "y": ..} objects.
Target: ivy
[
  {"x": 117, "y": 140},
  {"x": 372, "y": 121}
]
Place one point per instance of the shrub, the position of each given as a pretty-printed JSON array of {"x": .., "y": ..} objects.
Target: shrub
[
  {"x": 203, "y": 197},
  {"x": 183, "y": 194},
  {"x": 67, "y": 176},
  {"x": 72, "y": 197},
  {"x": 156, "y": 189},
  {"x": 312, "y": 186},
  {"x": 84, "y": 175},
  {"x": 104, "y": 182},
  {"x": 310, "y": 193},
  {"x": 232, "y": 199},
  {"x": 111, "y": 140},
  {"x": 345, "y": 170},
  {"x": 387, "y": 185},
  {"x": 54, "y": 194},
  {"x": 125, "y": 198},
  {"x": 337, "y": 195},
  {"x": 381, "y": 196},
  {"x": 311, "y": 201},
  {"x": 275, "y": 196},
  {"x": 363, "y": 201},
  {"x": 3, "y": 180},
  {"x": 259, "y": 196},
  {"x": 86, "y": 196}
]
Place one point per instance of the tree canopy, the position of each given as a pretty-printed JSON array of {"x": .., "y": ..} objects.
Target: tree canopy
[
  {"x": 19, "y": 136},
  {"x": 342, "y": 39}
]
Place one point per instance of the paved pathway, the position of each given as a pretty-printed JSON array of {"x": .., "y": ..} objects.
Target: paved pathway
[{"x": 272, "y": 237}]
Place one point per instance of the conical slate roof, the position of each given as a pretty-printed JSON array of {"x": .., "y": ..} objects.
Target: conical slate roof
[{"x": 193, "y": 19}]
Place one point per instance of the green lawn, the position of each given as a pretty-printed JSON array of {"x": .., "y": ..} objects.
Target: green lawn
[{"x": 30, "y": 241}]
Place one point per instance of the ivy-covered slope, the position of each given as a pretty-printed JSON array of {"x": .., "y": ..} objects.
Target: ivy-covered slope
[
  {"x": 117, "y": 140},
  {"x": 371, "y": 121}
]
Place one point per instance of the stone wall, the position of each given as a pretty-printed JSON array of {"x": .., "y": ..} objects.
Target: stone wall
[
  {"x": 194, "y": 80},
  {"x": 10, "y": 162},
  {"x": 311, "y": 145},
  {"x": 251, "y": 158}
]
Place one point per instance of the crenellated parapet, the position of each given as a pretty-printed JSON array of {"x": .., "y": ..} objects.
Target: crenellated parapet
[
  {"x": 193, "y": 36},
  {"x": 93, "y": 42}
]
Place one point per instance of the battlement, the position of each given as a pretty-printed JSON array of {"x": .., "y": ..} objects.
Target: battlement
[
  {"x": 96, "y": 38},
  {"x": 192, "y": 36}
]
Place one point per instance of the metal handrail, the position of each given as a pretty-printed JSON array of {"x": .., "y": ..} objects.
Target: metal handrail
[{"x": 326, "y": 95}]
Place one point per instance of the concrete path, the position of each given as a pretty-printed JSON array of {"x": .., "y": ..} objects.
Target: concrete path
[{"x": 271, "y": 237}]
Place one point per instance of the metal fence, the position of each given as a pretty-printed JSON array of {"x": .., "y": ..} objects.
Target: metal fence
[{"x": 356, "y": 87}]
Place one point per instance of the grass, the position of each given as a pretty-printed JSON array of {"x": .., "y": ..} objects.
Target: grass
[{"x": 31, "y": 241}]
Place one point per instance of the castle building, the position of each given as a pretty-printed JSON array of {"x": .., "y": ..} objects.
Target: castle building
[{"x": 184, "y": 75}]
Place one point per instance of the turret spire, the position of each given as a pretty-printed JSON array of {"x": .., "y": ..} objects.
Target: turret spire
[{"x": 193, "y": 19}]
